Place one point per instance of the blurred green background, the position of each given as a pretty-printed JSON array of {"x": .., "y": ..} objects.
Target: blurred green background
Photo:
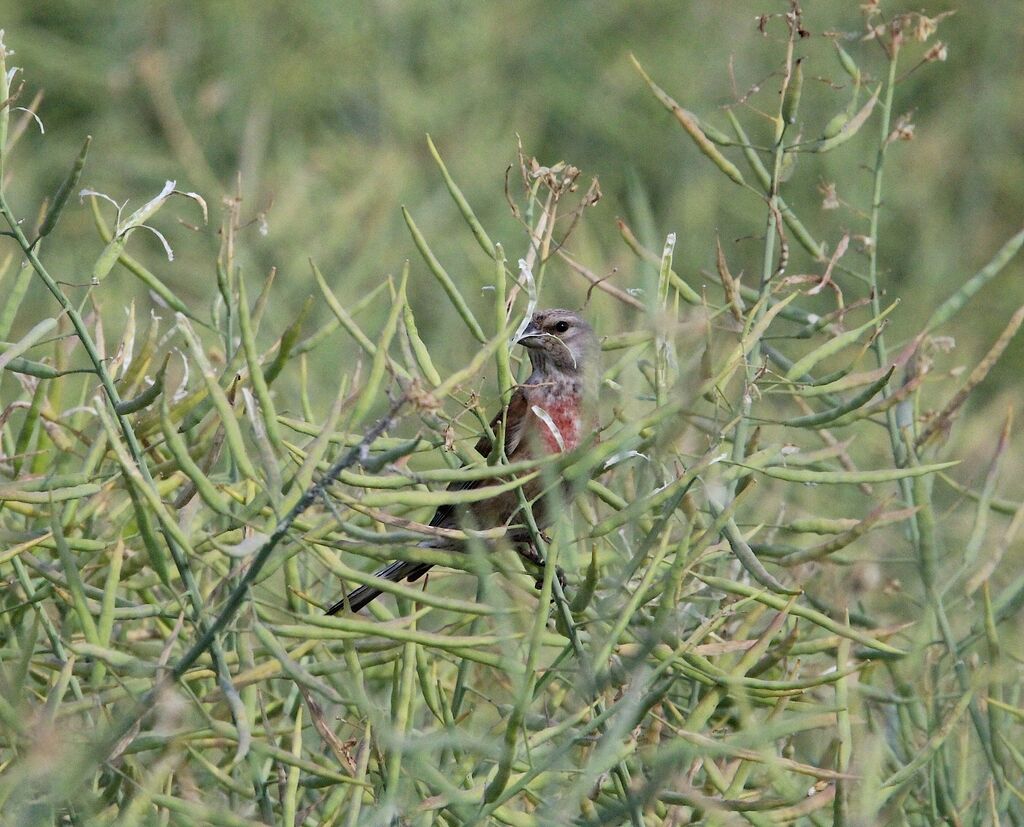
[
  {"x": 317, "y": 111},
  {"x": 320, "y": 110}
]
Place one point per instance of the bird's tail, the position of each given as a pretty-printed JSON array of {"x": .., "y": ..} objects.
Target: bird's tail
[{"x": 397, "y": 571}]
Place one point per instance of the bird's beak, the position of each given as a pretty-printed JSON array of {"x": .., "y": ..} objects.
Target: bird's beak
[{"x": 531, "y": 336}]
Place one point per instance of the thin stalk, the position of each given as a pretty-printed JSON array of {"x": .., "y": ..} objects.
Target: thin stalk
[
  {"x": 739, "y": 446},
  {"x": 231, "y": 605},
  {"x": 114, "y": 400},
  {"x": 921, "y": 529},
  {"x": 928, "y": 550},
  {"x": 879, "y": 346},
  {"x": 620, "y": 771},
  {"x": 876, "y": 209}
]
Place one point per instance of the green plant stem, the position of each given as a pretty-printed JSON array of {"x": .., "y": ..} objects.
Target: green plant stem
[
  {"x": 928, "y": 551},
  {"x": 876, "y": 208},
  {"x": 241, "y": 590},
  {"x": 879, "y": 346},
  {"x": 114, "y": 400},
  {"x": 619, "y": 771},
  {"x": 921, "y": 529},
  {"x": 739, "y": 446}
]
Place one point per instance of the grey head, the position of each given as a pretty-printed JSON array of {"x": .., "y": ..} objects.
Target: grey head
[{"x": 562, "y": 340}]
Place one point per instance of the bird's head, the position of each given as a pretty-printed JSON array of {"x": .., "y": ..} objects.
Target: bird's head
[{"x": 561, "y": 340}]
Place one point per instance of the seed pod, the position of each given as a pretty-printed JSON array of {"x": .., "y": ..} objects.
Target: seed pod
[
  {"x": 377, "y": 462},
  {"x": 288, "y": 340},
  {"x": 5, "y": 92},
  {"x": 847, "y": 63},
  {"x": 714, "y": 134},
  {"x": 729, "y": 284},
  {"x": 40, "y": 370},
  {"x": 692, "y": 126},
  {"x": 583, "y": 596},
  {"x": 420, "y": 350},
  {"x": 835, "y": 126},
  {"x": 787, "y": 166},
  {"x": 60, "y": 198},
  {"x": 198, "y": 481},
  {"x": 850, "y": 128},
  {"x": 791, "y": 102},
  {"x": 148, "y": 396},
  {"x": 822, "y": 418},
  {"x": 115, "y": 248}
]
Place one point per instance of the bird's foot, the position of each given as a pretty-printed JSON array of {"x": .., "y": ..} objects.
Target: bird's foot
[{"x": 530, "y": 554}]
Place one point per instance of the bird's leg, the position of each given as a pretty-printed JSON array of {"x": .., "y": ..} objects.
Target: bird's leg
[{"x": 529, "y": 553}]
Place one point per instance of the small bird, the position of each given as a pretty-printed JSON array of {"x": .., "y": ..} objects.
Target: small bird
[{"x": 553, "y": 411}]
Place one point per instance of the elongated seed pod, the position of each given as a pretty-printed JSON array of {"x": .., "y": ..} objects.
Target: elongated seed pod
[
  {"x": 850, "y": 127},
  {"x": 835, "y": 126},
  {"x": 5, "y": 91},
  {"x": 60, "y": 198},
  {"x": 791, "y": 102},
  {"x": 822, "y": 418},
  {"x": 847, "y": 63},
  {"x": 692, "y": 126},
  {"x": 148, "y": 396}
]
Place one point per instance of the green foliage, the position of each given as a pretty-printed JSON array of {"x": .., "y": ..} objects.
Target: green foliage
[{"x": 786, "y": 600}]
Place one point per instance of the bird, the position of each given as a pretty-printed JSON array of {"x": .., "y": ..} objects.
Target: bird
[{"x": 553, "y": 411}]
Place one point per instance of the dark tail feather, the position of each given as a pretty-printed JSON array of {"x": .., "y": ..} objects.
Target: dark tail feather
[{"x": 397, "y": 571}]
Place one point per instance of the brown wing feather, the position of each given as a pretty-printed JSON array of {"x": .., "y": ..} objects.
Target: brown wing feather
[
  {"x": 513, "y": 430},
  {"x": 517, "y": 407},
  {"x": 445, "y": 514}
]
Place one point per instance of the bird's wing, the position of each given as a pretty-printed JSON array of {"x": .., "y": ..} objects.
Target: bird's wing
[
  {"x": 445, "y": 514},
  {"x": 517, "y": 409},
  {"x": 396, "y": 572}
]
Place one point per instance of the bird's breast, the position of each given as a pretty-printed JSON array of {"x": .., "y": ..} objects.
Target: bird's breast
[{"x": 558, "y": 421}]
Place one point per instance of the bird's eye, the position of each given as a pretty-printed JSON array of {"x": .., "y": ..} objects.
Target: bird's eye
[{"x": 561, "y": 327}]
